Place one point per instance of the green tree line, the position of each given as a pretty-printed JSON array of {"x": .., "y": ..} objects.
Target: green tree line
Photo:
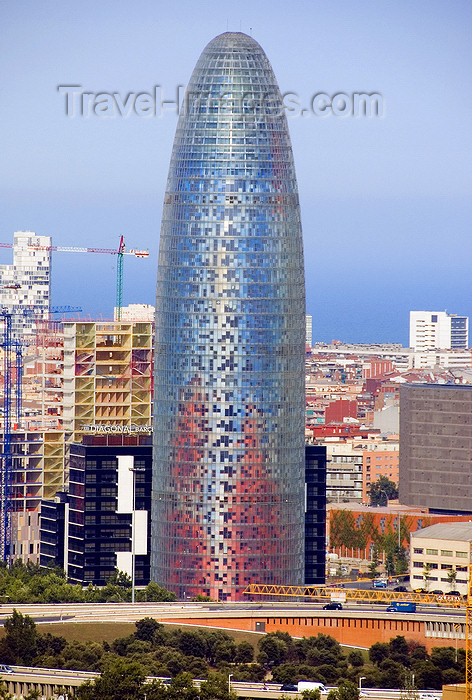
[{"x": 29, "y": 583}]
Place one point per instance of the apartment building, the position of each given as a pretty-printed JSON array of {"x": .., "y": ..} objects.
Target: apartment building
[
  {"x": 380, "y": 457},
  {"x": 343, "y": 471},
  {"x": 431, "y": 330},
  {"x": 25, "y": 286}
]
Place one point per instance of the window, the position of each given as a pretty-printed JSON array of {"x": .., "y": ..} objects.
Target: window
[
  {"x": 461, "y": 555},
  {"x": 446, "y": 553},
  {"x": 431, "y": 551},
  {"x": 418, "y": 550},
  {"x": 446, "y": 566},
  {"x": 418, "y": 564}
]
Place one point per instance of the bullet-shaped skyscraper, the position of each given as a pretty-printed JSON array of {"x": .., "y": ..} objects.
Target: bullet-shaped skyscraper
[{"x": 228, "y": 472}]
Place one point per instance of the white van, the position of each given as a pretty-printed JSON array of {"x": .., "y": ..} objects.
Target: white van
[{"x": 311, "y": 685}]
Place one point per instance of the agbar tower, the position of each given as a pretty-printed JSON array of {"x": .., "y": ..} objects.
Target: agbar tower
[{"x": 228, "y": 473}]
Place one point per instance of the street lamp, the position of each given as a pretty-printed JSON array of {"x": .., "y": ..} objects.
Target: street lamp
[
  {"x": 133, "y": 523},
  {"x": 361, "y": 678},
  {"x": 229, "y": 682}
]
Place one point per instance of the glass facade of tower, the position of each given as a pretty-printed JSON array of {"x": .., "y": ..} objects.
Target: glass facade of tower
[{"x": 228, "y": 473}]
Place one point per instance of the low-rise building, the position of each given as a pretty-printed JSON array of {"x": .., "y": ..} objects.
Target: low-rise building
[{"x": 440, "y": 556}]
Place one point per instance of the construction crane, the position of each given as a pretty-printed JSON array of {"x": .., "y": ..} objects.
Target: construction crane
[
  {"x": 355, "y": 594},
  {"x": 5, "y": 485},
  {"x": 468, "y": 640},
  {"x": 65, "y": 309},
  {"x": 111, "y": 251}
]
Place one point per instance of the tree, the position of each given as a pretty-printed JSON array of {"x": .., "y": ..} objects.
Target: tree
[
  {"x": 443, "y": 657},
  {"x": 426, "y": 575},
  {"x": 121, "y": 579},
  {"x": 378, "y": 652},
  {"x": 345, "y": 691},
  {"x": 451, "y": 579},
  {"x": 374, "y": 564},
  {"x": 21, "y": 638},
  {"x": 401, "y": 561},
  {"x": 4, "y": 693},
  {"x": 311, "y": 694},
  {"x": 356, "y": 658},
  {"x": 382, "y": 490},
  {"x": 272, "y": 650},
  {"x": 216, "y": 688},
  {"x": 427, "y": 675},
  {"x": 392, "y": 674},
  {"x": 390, "y": 563},
  {"x": 153, "y": 593},
  {"x": 244, "y": 653},
  {"x": 120, "y": 680},
  {"x": 147, "y": 628}
]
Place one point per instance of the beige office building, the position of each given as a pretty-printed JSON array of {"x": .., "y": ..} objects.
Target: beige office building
[{"x": 440, "y": 556}]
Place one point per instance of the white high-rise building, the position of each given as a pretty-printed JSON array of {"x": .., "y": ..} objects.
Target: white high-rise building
[
  {"x": 143, "y": 313},
  {"x": 309, "y": 331},
  {"x": 438, "y": 330},
  {"x": 25, "y": 286}
]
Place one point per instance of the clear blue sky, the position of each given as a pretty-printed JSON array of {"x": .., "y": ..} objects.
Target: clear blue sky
[{"x": 386, "y": 203}]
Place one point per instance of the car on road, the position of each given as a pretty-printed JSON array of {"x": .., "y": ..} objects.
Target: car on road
[
  {"x": 333, "y": 606},
  {"x": 6, "y": 669},
  {"x": 293, "y": 687},
  {"x": 437, "y": 592},
  {"x": 454, "y": 593},
  {"x": 400, "y": 589},
  {"x": 428, "y": 696},
  {"x": 379, "y": 583}
]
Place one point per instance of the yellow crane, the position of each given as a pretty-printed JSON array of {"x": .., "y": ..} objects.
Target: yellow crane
[
  {"x": 355, "y": 594},
  {"x": 468, "y": 642}
]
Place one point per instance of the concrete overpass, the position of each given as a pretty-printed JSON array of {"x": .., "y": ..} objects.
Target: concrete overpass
[{"x": 357, "y": 625}]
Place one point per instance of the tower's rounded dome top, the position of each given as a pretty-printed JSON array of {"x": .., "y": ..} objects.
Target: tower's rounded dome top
[{"x": 234, "y": 40}]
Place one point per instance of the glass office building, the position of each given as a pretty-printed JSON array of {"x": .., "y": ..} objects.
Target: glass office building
[{"x": 228, "y": 471}]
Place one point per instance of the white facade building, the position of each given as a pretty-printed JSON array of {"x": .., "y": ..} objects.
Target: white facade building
[
  {"x": 137, "y": 312},
  {"x": 432, "y": 330},
  {"x": 309, "y": 331},
  {"x": 25, "y": 286}
]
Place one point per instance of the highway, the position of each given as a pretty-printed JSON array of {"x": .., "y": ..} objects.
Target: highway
[
  {"x": 127, "y": 612},
  {"x": 69, "y": 678}
]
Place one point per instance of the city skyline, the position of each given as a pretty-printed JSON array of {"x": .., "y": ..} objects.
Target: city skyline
[{"x": 385, "y": 200}]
